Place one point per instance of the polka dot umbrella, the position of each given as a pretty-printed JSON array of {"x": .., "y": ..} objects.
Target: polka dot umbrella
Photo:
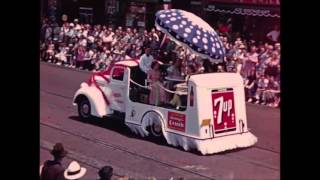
[{"x": 190, "y": 31}]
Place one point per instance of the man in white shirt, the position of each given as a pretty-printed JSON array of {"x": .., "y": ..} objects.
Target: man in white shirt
[
  {"x": 146, "y": 60},
  {"x": 274, "y": 34}
]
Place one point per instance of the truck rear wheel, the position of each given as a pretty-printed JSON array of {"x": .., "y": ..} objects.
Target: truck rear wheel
[
  {"x": 156, "y": 129},
  {"x": 84, "y": 108}
]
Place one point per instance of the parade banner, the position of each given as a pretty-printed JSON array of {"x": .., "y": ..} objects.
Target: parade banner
[{"x": 223, "y": 111}]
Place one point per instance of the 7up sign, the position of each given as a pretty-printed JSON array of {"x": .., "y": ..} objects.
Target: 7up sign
[{"x": 224, "y": 117}]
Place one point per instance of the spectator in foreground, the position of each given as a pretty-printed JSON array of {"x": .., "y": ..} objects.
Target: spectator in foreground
[
  {"x": 105, "y": 173},
  {"x": 53, "y": 169}
]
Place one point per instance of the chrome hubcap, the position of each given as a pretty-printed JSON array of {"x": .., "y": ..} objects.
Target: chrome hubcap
[{"x": 85, "y": 108}]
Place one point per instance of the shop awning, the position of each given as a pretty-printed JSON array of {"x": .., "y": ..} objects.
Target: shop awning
[{"x": 249, "y": 10}]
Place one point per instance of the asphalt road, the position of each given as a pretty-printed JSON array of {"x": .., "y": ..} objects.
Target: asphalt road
[{"x": 107, "y": 142}]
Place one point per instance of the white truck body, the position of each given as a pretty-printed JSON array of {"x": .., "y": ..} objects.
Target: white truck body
[{"x": 214, "y": 119}]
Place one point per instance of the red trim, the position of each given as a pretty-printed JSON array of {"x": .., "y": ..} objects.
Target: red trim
[{"x": 92, "y": 80}]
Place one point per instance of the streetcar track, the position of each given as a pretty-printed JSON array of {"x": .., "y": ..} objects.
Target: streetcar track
[
  {"x": 98, "y": 141},
  {"x": 56, "y": 94},
  {"x": 265, "y": 149}
]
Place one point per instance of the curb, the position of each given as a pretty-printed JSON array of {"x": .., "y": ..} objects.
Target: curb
[{"x": 63, "y": 67}]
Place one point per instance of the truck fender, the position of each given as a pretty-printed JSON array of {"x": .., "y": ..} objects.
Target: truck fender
[{"x": 99, "y": 107}]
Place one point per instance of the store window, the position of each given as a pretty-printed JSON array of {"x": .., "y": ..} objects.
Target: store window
[
  {"x": 111, "y": 7},
  {"x": 136, "y": 16},
  {"x": 86, "y": 15}
]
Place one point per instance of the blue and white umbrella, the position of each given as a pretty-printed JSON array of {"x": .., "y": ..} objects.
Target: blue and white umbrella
[{"x": 190, "y": 31}]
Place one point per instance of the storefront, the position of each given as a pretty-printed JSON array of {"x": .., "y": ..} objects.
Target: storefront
[
  {"x": 127, "y": 13},
  {"x": 253, "y": 18},
  {"x": 112, "y": 12},
  {"x": 141, "y": 13},
  {"x": 87, "y": 11},
  {"x": 136, "y": 15}
]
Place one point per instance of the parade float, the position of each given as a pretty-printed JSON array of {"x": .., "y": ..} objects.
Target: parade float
[{"x": 212, "y": 118}]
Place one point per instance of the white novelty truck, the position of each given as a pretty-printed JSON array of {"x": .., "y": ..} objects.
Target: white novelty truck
[{"x": 213, "y": 118}]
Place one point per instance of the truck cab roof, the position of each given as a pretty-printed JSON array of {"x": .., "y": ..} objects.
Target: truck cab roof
[{"x": 211, "y": 79}]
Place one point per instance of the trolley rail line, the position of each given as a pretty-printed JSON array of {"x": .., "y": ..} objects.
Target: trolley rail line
[{"x": 109, "y": 145}]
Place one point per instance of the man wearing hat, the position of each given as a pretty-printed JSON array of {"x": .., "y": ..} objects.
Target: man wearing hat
[{"x": 53, "y": 169}]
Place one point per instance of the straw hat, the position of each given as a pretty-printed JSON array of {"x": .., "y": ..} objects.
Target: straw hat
[{"x": 74, "y": 171}]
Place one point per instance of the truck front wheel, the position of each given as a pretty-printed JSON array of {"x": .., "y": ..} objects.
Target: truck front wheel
[{"x": 84, "y": 108}]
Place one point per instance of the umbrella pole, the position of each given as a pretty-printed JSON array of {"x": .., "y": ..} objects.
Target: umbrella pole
[{"x": 185, "y": 60}]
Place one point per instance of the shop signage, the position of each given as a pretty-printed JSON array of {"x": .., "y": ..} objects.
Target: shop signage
[{"x": 244, "y": 10}]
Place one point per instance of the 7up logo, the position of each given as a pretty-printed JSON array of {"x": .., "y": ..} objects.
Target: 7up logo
[
  {"x": 223, "y": 111},
  {"x": 224, "y": 106}
]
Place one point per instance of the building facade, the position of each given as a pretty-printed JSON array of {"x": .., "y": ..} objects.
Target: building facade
[{"x": 251, "y": 17}]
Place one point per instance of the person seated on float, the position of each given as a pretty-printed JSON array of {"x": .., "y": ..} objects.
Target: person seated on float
[
  {"x": 174, "y": 73},
  {"x": 179, "y": 100},
  {"x": 157, "y": 94}
]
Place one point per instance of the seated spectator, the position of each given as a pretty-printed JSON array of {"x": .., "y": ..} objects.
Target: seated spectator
[
  {"x": 272, "y": 92},
  {"x": 262, "y": 85},
  {"x": 131, "y": 51},
  {"x": 74, "y": 171},
  {"x": 62, "y": 55},
  {"x": 43, "y": 48},
  {"x": 50, "y": 52},
  {"x": 250, "y": 85}
]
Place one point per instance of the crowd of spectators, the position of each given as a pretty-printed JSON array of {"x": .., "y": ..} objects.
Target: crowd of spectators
[{"x": 94, "y": 47}]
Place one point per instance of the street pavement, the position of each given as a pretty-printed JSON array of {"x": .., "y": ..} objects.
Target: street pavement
[{"x": 102, "y": 142}]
